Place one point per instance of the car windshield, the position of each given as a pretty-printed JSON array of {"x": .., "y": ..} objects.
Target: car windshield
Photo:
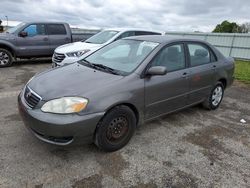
[
  {"x": 14, "y": 29},
  {"x": 101, "y": 37},
  {"x": 123, "y": 56}
]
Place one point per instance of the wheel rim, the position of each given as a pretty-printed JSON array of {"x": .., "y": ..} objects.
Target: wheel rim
[
  {"x": 117, "y": 129},
  {"x": 4, "y": 58},
  {"x": 217, "y": 95}
]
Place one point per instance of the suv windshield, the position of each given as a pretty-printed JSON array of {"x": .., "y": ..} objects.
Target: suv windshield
[
  {"x": 14, "y": 29},
  {"x": 123, "y": 55},
  {"x": 101, "y": 37}
]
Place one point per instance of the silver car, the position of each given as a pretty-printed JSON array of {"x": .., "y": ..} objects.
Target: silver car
[{"x": 104, "y": 97}]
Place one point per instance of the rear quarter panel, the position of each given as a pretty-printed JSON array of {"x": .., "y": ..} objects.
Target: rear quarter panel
[{"x": 225, "y": 70}]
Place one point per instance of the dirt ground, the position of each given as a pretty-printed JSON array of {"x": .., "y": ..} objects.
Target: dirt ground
[{"x": 190, "y": 148}]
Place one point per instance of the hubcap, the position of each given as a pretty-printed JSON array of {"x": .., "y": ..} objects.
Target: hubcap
[
  {"x": 117, "y": 129},
  {"x": 4, "y": 58},
  {"x": 217, "y": 95}
]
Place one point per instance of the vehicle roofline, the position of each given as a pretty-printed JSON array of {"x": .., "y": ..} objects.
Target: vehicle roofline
[
  {"x": 45, "y": 22},
  {"x": 164, "y": 39},
  {"x": 132, "y": 29}
]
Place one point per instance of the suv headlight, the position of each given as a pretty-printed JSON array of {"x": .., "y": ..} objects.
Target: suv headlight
[
  {"x": 65, "y": 105},
  {"x": 77, "y": 54}
]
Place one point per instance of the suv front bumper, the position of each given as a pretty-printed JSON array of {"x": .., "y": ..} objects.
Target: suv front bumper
[{"x": 61, "y": 59}]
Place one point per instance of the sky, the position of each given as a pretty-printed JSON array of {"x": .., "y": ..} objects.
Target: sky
[{"x": 164, "y": 15}]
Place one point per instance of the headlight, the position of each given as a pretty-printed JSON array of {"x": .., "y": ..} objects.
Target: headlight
[
  {"x": 65, "y": 105},
  {"x": 77, "y": 54}
]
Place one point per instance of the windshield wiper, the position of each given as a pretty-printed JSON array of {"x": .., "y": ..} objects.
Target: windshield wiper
[
  {"x": 86, "y": 62},
  {"x": 100, "y": 67},
  {"x": 113, "y": 71}
]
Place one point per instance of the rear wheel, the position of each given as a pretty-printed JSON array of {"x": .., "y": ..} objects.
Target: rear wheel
[
  {"x": 116, "y": 129},
  {"x": 215, "y": 97},
  {"x": 6, "y": 58}
]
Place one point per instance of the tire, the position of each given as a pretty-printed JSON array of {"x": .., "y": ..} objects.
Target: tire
[
  {"x": 116, "y": 129},
  {"x": 214, "y": 99},
  {"x": 6, "y": 58}
]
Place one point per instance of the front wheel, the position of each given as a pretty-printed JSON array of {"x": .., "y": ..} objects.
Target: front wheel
[
  {"x": 215, "y": 97},
  {"x": 6, "y": 58},
  {"x": 116, "y": 129}
]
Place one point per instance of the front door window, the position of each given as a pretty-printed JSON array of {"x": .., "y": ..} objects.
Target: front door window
[
  {"x": 172, "y": 57},
  {"x": 35, "y": 29}
]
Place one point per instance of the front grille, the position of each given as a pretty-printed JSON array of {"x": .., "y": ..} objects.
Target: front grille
[
  {"x": 31, "y": 98},
  {"x": 58, "y": 58}
]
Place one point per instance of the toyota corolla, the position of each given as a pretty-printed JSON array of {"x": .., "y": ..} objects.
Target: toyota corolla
[{"x": 104, "y": 97}]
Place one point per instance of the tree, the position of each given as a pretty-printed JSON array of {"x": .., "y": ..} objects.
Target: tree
[
  {"x": 245, "y": 27},
  {"x": 230, "y": 27}
]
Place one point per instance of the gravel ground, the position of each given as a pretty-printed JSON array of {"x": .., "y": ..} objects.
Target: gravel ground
[{"x": 191, "y": 148}]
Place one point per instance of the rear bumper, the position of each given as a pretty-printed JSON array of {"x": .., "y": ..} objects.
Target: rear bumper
[{"x": 58, "y": 129}]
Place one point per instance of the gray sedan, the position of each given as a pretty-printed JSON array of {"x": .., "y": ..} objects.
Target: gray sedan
[{"x": 104, "y": 97}]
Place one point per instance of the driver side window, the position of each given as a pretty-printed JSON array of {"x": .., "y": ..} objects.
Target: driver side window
[
  {"x": 34, "y": 29},
  {"x": 171, "y": 57}
]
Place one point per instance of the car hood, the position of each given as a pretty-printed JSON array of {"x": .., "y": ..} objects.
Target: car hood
[
  {"x": 71, "y": 80},
  {"x": 77, "y": 46},
  {"x": 5, "y": 36}
]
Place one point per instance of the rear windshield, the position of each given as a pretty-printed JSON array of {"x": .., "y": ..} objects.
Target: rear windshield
[{"x": 101, "y": 37}]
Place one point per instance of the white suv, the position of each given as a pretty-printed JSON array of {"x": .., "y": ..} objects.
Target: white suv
[{"x": 70, "y": 53}]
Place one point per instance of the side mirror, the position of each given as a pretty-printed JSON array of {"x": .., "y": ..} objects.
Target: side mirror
[
  {"x": 157, "y": 70},
  {"x": 23, "y": 34}
]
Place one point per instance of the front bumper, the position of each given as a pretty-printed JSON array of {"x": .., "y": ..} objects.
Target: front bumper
[
  {"x": 65, "y": 61},
  {"x": 58, "y": 129}
]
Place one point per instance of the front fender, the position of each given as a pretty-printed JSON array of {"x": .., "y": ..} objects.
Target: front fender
[
  {"x": 136, "y": 103},
  {"x": 8, "y": 45},
  {"x": 133, "y": 99}
]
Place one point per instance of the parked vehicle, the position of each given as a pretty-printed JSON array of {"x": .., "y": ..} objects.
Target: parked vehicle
[
  {"x": 33, "y": 39},
  {"x": 105, "y": 96},
  {"x": 71, "y": 53}
]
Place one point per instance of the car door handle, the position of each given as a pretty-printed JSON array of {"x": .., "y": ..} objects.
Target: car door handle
[
  {"x": 214, "y": 66},
  {"x": 184, "y": 75},
  {"x": 45, "y": 39}
]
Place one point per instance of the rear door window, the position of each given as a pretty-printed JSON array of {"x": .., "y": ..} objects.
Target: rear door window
[
  {"x": 126, "y": 34},
  {"x": 200, "y": 55},
  {"x": 56, "y": 29}
]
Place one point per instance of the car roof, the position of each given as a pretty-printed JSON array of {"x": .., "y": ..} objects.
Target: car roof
[
  {"x": 162, "y": 39},
  {"x": 45, "y": 22},
  {"x": 132, "y": 29}
]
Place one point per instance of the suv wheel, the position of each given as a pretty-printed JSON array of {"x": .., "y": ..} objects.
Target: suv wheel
[
  {"x": 116, "y": 129},
  {"x": 215, "y": 97},
  {"x": 6, "y": 58}
]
